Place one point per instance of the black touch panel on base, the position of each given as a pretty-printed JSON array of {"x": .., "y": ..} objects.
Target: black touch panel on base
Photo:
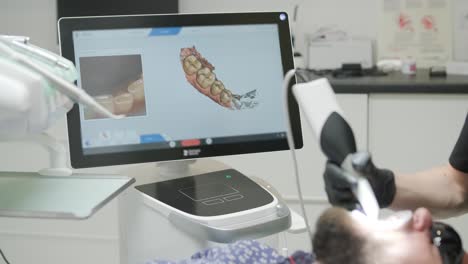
[{"x": 210, "y": 194}]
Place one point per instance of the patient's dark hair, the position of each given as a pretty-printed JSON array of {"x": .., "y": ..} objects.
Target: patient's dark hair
[{"x": 336, "y": 241}]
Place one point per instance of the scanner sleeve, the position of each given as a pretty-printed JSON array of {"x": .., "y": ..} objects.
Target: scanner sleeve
[{"x": 459, "y": 157}]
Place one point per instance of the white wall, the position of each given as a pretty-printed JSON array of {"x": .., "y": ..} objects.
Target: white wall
[
  {"x": 36, "y": 18},
  {"x": 359, "y": 17},
  {"x": 33, "y": 18},
  {"x": 460, "y": 29},
  {"x": 354, "y": 16}
]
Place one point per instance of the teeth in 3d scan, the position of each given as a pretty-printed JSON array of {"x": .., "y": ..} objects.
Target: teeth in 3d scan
[
  {"x": 200, "y": 74},
  {"x": 226, "y": 96},
  {"x": 192, "y": 65},
  {"x": 205, "y": 78},
  {"x": 217, "y": 88}
]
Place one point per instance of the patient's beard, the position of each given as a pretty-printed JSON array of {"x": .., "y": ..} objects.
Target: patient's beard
[{"x": 448, "y": 242}]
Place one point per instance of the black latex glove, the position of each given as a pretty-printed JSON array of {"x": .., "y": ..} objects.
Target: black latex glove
[{"x": 338, "y": 188}]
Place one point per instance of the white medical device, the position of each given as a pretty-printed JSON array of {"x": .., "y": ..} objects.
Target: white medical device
[
  {"x": 37, "y": 89},
  {"x": 330, "y": 54},
  {"x": 221, "y": 206},
  {"x": 318, "y": 102},
  {"x": 193, "y": 86}
]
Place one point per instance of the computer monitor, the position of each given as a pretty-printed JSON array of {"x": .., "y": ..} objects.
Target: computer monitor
[{"x": 190, "y": 86}]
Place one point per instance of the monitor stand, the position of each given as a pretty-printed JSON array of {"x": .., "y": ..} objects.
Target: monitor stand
[
  {"x": 168, "y": 170},
  {"x": 175, "y": 169}
]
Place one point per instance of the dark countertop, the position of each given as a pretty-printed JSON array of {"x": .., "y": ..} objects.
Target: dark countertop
[{"x": 399, "y": 83}]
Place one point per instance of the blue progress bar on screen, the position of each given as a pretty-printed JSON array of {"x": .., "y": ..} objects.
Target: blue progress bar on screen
[
  {"x": 151, "y": 138},
  {"x": 165, "y": 31}
]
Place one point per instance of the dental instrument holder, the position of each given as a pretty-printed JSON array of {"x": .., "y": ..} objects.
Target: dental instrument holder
[
  {"x": 56, "y": 192},
  {"x": 31, "y": 195}
]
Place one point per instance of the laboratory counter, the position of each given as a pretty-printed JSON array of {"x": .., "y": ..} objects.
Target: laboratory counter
[{"x": 397, "y": 83}]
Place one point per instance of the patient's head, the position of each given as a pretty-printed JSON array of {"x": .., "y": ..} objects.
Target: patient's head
[
  {"x": 337, "y": 240},
  {"x": 344, "y": 237}
]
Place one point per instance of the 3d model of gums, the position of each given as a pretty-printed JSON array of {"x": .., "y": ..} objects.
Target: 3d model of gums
[{"x": 200, "y": 74}]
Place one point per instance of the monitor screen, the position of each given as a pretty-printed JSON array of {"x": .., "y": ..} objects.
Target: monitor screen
[{"x": 187, "y": 90}]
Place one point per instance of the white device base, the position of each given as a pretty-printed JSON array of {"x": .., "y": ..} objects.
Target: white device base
[{"x": 150, "y": 234}]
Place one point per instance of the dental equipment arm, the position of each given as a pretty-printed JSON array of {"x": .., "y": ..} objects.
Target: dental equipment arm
[
  {"x": 317, "y": 101},
  {"x": 35, "y": 85},
  {"x": 36, "y": 89}
]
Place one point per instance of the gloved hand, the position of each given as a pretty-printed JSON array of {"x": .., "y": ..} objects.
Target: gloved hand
[{"x": 338, "y": 188}]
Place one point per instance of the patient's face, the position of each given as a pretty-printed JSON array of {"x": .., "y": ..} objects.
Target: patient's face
[{"x": 402, "y": 240}]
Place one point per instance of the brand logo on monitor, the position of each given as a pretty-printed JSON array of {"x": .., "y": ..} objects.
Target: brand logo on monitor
[{"x": 191, "y": 152}]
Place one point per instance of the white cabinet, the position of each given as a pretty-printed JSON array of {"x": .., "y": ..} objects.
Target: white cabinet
[{"x": 410, "y": 132}]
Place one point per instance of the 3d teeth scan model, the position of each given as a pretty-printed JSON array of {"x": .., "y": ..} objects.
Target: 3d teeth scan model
[{"x": 200, "y": 74}]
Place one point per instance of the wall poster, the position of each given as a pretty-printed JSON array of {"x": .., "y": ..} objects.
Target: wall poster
[{"x": 417, "y": 29}]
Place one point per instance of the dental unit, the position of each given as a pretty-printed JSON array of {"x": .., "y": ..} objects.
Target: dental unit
[{"x": 37, "y": 89}]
